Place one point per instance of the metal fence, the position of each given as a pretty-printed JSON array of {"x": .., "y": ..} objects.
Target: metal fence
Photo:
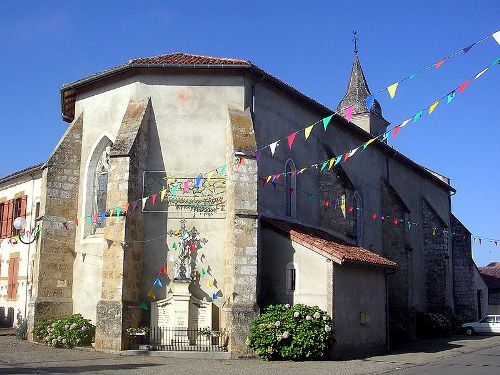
[{"x": 180, "y": 339}]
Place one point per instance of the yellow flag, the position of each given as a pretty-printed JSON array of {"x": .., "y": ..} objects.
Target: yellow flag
[
  {"x": 307, "y": 131},
  {"x": 392, "y": 89},
  {"x": 433, "y": 107},
  {"x": 331, "y": 163},
  {"x": 151, "y": 295},
  {"x": 342, "y": 205},
  {"x": 209, "y": 283},
  {"x": 162, "y": 194},
  {"x": 302, "y": 170}
]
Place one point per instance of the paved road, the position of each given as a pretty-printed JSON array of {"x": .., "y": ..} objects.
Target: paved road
[{"x": 460, "y": 355}]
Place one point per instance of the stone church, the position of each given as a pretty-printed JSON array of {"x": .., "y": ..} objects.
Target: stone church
[{"x": 191, "y": 126}]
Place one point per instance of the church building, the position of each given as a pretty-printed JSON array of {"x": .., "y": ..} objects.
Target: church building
[{"x": 165, "y": 174}]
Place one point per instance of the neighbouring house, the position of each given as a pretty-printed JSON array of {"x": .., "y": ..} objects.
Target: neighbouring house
[
  {"x": 19, "y": 197},
  {"x": 491, "y": 277},
  {"x": 481, "y": 295},
  {"x": 176, "y": 142}
]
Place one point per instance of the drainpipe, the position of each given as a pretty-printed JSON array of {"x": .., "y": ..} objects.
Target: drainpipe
[{"x": 29, "y": 247}]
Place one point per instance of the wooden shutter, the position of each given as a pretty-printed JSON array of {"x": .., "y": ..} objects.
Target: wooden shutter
[
  {"x": 24, "y": 200},
  {"x": 10, "y": 213},
  {"x": 13, "y": 274},
  {"x": 3, "y": 224}
]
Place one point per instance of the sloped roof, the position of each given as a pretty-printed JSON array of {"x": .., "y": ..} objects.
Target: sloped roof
[
  {"x": 357, "y": 92},
  {"x": 328, "y": 245},
  {"x": 32, "y": 169},
  {"x": 491, "y": 275}
]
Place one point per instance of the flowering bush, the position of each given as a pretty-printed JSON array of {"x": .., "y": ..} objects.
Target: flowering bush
[
  {"x": 432, "y": 325},
  {"x": 291, "y": 332},
  {"x": 65, "y": 332}
]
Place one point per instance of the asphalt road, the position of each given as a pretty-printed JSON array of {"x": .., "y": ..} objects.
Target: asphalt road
[{"x": 457, "y": 355}]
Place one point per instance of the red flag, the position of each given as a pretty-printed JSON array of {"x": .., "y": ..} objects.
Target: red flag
[
  {"x": 395, "y": 131},
  {"x": 395, "y": 221},
  {"x": 291, "y": 138},
  {"x": 153, "y": 198},
  {"x": 75, "y": 221},
  {"x": 346, "y": 156},
  {"x": 439, "y": 63},
  {"x": 163, "y": 270},
  {"x": 125, "y": 207},
  {"x": 327, "y": 202},
  {"x": 240, "y": 162},
  {"x": 463, "y": 86},
  {"x": 191, "y": 247},
  {"x": 374, "y": 216}
]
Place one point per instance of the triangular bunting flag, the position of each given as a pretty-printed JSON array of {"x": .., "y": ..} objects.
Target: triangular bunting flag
[
  {"x": 405, "y": 122},
  {"x": 433, "y": 107},
  {"x": 214, "y": 296},
  {"x": 309, "y": 196},
  {"x": 173, "y": 189},
  {"x": 162, "y": 194},
  {"x": 497, "y": 36},
  {"x": 346, "y": 156},
  {"x": 269, "y": 178},
  {"x": 163, "y": 270},
  {"x": 89, "y": 218},
  {"x": 153, "y": 198},
  {"x": 308, "y": 130},
  {"x": 151, "y": 294},
  {"x": 338, "y": 160},
  {"x": 353, "y": 151},
  {"x": 291, "y": 138},
  {"x": 369, "y": 101},
  {"x": 302, "y": 170},
  {"x": 185, "y": 186},
  {"x": 174, "y": 245},
  {"x": 368, "y": 143},
  {"x": 481, "y": 73},
  {"x": 417, "y": 116},
  {"x": 125, "y": 208},
  {"x": 439, "y": 63},
  {"x": 466, "y": 49},
  {"x": 330, "y": 163},
  {"x": 103, "y": 215},
  {"x": 395, "y": 131},
  {"x": 144, "y": 200},
  {"x": 463, "y": 86},
  {"x": 272, "y": 146},
  {"x": 209, "y": 284},
  {"x": 94, "y": 217},
  {"x": 451, "y": 96},
  {"x": 411, "y": 76},
  {"x": 275, "y": 186},
  {"x": 496, "y": 61},
  {"x": 323, "y": 166},
  {"x": 75, "y": 221},
  {"x": 240, "y": 162},
  {"x": 384, "y": 136},
  {"x": 326, "y": 121},
  {"x": 392, "y": 89},
  {"x": 111, "y": 212},
  {"x": 158, "y": 282},
  {"x": 209, "y": 175},
  {"x": 198, "y": 181},
  {"x": 348, "y": 112},
  {"x": 143, "y": 306},
  {"x": 222, "y": 169},
  {"x": 118, "y": 211}
]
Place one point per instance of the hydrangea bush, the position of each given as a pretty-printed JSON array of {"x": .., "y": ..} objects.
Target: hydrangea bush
[
  {"x": 291, "y": 332},
  {"x": 65, "y": 332}
]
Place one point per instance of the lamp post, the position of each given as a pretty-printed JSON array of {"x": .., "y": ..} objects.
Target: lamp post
[{"x": 20, "y": 224}]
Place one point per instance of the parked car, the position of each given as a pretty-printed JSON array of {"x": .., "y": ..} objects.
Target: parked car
[{"x": 489, "y": 324}]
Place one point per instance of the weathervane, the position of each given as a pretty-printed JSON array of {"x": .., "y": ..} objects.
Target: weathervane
[{"x": 355, "y": 40}]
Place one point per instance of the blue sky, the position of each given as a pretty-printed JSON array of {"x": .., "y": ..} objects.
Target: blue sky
[{"x": 305, "y": 43}]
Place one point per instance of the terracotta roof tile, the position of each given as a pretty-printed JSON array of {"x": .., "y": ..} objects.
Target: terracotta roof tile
[
  {"x": 188, "y": 59},
  {"x": 327, "y": 244},
  {"x": 491, "y": 276}
]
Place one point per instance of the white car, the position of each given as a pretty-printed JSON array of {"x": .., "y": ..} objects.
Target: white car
[{"x": 489, "y": 324}]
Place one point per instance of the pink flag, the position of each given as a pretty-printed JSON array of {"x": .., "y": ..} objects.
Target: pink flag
[
  {"x": 185, "y": 186},
  {"x": 348, "y": 112},
  {"x": 463, "y": 86},
  {"x": 153, "y": 198},
  {"x": 395, "y": 131},
  {"x": 291, "y": 138},
  {"x": 439, "y": 63}
]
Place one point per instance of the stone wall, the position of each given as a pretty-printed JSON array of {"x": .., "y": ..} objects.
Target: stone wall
[
  {"x": 53, "y": 273},
  {"x": 394, "y": 242},
  {"x": 240, "y": 281},
  {"x": 464, "y": 291},
  {"x": 436, "y": 258},
  {"x": 122, "y": 260}
]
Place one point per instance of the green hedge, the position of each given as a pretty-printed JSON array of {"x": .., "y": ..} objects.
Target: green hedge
[{"x": 291, "y": 332}]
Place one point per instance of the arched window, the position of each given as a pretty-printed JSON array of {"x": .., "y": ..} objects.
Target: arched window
[
  {"x": 290, "y": 187},
  {"x": 358, "y": 219},
  {"x": 291, "y": 277},
  {"x": 97, "y": 186}
]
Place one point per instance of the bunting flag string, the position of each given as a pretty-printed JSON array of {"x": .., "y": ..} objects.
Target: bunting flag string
[
  {"x": 343, "y": 157},
  {"x": 391, "y": 89}
]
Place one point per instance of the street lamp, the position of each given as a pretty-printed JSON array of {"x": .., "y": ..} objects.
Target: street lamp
[{"x": 20, "y": 224}]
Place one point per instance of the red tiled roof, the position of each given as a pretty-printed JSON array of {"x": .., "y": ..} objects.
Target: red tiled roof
[
  {"x": 328, "y": 245},
  {"x": 491, "y": 276},
  {"x": 188, "y": 59}
]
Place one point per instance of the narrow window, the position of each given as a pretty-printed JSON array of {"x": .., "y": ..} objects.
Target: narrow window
[{"x": 291, "y": 278}]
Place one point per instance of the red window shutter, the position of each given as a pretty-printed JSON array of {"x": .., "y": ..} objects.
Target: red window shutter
[
  {"x": 3, "y": 224},
  {"x": 24, "y": 201},
  {"x": 15, "y": 277},
  {"x": 10, "y": 213}
]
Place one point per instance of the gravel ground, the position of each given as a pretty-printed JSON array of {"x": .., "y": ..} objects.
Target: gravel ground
[{"x": 22, "y": 357}]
